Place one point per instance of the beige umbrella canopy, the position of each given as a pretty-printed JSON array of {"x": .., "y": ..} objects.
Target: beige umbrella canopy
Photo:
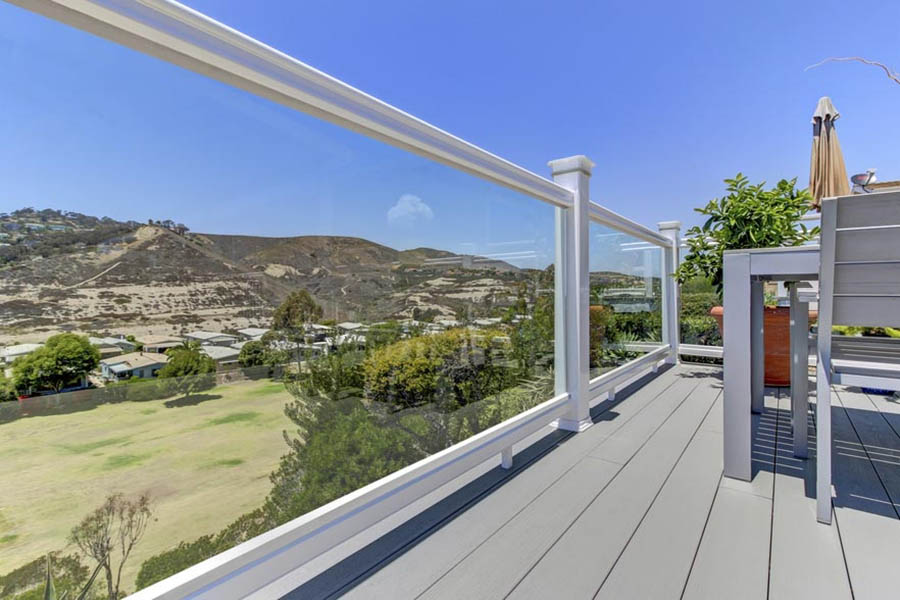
[{"x": 827, "y": 173}]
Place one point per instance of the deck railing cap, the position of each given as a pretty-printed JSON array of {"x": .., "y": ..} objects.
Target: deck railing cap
[
  {"x": 569, "y": 164},
  {"x": 663, "y": 225}
]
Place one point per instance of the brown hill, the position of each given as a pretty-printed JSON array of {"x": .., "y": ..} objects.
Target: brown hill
[{"x": 148, "y": 279}]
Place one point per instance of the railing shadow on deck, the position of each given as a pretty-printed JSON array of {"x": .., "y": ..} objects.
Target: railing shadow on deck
[
  {"x": 357, "y": 567},
  {"x": 858, "y": 485}
]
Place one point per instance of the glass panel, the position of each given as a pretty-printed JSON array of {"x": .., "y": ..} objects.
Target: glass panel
[
  {"x": 698, "y": 323},
  {"x": 220, "y": 314},
  {"x": 625, "y": 298}
]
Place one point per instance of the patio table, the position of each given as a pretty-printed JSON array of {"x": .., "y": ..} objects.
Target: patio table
[{"x": 743, "y": 355}]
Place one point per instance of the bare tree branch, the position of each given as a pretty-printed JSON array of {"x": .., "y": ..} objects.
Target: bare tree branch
[{"x": 893, "y": 75}]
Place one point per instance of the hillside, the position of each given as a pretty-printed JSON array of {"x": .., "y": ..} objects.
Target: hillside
[{"x": 99, "y": 275}]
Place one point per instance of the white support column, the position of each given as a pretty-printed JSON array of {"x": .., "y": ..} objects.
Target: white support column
[
  {"x": 671, "y": 328},
  {"x": 573, "y": 289}
]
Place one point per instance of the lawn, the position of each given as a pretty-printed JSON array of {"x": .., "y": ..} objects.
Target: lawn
[{"x": 204, "y": 463}]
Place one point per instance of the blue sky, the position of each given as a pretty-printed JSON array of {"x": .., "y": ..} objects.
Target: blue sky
[{"x": 667, "y": 98}]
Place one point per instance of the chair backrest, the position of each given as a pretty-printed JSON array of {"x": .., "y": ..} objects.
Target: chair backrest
[{"x": 860, "y": 261}]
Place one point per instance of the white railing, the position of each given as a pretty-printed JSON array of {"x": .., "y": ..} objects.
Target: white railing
[{"x": 179, "y": 35}]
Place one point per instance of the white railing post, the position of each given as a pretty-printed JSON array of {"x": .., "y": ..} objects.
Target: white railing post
[
  {"x": 573, "y": 290},
  {"x": 671, "y": 329}
]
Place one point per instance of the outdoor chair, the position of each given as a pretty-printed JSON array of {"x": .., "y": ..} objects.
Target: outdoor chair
[{"x": 859, "y": 285}]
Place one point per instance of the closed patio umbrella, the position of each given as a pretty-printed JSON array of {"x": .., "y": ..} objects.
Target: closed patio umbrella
[{"x": 827, "y": 173}]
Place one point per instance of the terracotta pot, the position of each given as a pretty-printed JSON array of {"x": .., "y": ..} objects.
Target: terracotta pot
[{"x": 777, "y": 340}]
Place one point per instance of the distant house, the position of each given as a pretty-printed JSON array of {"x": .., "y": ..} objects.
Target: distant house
[
  {"x": 252, "y": 334},
  {"x": 349, "y": 339},
  {"x": 211, "y": 338},
  {"x": 488, "y": 322},
  {"x": 350, "y": 326},
  {"x": 11, "y": 353},
  {"x": 58, "y": 228},
  {"x": 447, "y": 322},
  {"x": 112, "y": 346},
  {"x": 318, "y": 332},
  {"x": 135, "y": 364},
  {"x": 35, "y": 226},
  {"x": 159, "y": 343},
  {"x": 223, "y": 355}
]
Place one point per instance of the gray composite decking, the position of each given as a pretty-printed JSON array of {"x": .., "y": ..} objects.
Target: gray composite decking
[{"x": 636, "y": 507}]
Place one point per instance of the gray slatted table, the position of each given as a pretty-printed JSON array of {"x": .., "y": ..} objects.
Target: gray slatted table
[{"x": 744, "y": 273}]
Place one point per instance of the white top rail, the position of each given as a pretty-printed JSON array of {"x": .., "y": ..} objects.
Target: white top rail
[
  {"x": 177, "y": 34},
  {"x": 602, "y": 215}
]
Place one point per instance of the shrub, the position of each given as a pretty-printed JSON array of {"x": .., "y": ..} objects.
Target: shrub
[
  {"x": 186, "y": 554},
  {"x": 698, "y": 304},
  {"x": 702, "y": 330},
  {"x": 27, "y": 582},
  {"x": 453, "y": 368}
]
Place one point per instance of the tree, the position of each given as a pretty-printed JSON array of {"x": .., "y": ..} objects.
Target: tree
[
  {"x": 892, "y": 75},
  {"x": 110, "y": 533},
  {"x": 187, "y": 360},
  {"x": 750, "y": 216},
  {"x": 253, "y": 354},
  {"x": 290, "y": 319},
  {"x": 7, "y": 389},
  {"x": 63, "y": 359}
]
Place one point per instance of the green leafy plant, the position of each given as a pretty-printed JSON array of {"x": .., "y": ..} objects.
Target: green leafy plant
[
  {"x": 749, "y": 216},
  {"x": 50, "y": 589}
]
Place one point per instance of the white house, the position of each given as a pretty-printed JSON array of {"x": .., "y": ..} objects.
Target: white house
[
  {"x": 11, "y": 353},
  {"x": 252, "y": 334},
  {"x": 159, "y": 343},
  {"x": 223, "y": 355},
  {"x": 135, "y": 364},
  {"x": 112, "y": 346},
  {"x": 211, "y": 338}
]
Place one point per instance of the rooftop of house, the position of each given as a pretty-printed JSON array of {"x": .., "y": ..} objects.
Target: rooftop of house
[
  {"x": 253, "y": 331},
  {"x": 135, "y": 360},
  {"x": 109, "y": 341},
  {"x": 18, "y": 350},
  {"x": 152, "y": 340},
  {"x": 220, "y": 352},
  {"x": 208, "y": 335}
]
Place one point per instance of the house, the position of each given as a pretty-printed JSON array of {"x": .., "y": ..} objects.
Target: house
[
  {"x": 253, "y": 334},
  {"x": 112, "y": 346},
  {"x": 223, "y": 355},
  {"x": 159, "y": 343},
  {"x": 349, "y": 326},
  {"x": 11, "y": 353},
  {"x": 211, "y": 338},
  {"x": 318, "y": 332},
  {"x": 135, "y": 364}
]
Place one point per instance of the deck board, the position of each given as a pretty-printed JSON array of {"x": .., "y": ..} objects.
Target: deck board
[
  {"x": 806, "y": 557},
  {"x": 742, "y": 511},
  {"x": 408, "y": 576},
  {"x": 870, "y": 530},
  {"x": 668, "y": 536},
  {"x": 576, "y": 564},
  {"x": 635, "y": 507}
]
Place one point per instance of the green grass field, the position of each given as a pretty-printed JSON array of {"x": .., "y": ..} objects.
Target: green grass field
[{"x": 204, "y": 464}]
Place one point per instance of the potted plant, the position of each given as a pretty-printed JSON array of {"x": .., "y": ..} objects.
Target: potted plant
[{"x": 750, "y": 216}]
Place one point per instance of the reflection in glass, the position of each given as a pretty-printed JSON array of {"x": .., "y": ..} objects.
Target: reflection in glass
[{"x": 625, "y": 298}]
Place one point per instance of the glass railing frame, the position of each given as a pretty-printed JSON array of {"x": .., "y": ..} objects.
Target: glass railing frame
[{"x": 184, "y": 37}]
